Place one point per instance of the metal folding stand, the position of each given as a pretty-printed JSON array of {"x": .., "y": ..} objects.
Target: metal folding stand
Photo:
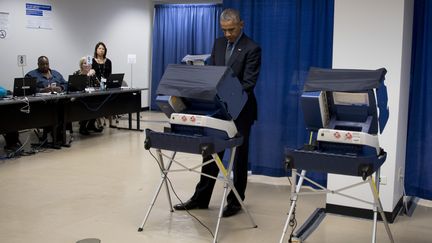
[
  {"x": 202, "y": 103},
  {"x": 226, "y": 180},
  {"x": 377, "y": 206},
  {"x": 340, "y": 107}
]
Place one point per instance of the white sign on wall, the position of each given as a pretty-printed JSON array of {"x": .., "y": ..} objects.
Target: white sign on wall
[
  {"x": 4, "y": 22},
  {"x": 131, "y": 59},
  {"x": 21, "y": 60},
  {"x": 38, "y": 16}
]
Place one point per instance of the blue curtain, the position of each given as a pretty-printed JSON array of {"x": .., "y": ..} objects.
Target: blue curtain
[
  {"x": 294, "y": 35},
  {"x": 419, "y": 146},
  {"x": 181, "y": 29}
]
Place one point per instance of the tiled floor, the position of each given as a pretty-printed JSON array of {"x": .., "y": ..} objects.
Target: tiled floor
[{"x": 102, "y": 185}]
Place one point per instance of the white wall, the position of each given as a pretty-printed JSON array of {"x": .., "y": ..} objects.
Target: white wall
[
  {"x": 371, "y": 34},
  {"x": 124, "y": 26}
]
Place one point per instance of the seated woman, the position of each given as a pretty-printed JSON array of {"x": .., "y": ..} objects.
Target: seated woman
[{"x": 85, "y": 69}]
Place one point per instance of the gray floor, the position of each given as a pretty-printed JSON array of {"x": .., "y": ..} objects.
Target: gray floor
[{"x": 102, "y": 185}]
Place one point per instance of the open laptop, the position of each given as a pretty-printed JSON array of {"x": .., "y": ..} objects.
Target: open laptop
[
  {"x": 114, "y": 81},
  {"x": 77, "y": 83},
  {"x": 24, "y": 86}
]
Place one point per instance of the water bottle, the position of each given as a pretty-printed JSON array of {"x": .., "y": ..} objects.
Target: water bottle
[{"x": 102, "y": 83}]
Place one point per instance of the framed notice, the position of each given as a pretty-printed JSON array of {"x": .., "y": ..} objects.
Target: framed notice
[{"x": 38, "y": 16}]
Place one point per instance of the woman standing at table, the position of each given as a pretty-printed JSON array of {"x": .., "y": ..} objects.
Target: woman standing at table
[{"x": 101, "y": 64}]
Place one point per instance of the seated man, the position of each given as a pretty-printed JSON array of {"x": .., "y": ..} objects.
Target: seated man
[{"x": 48, "y": 80}]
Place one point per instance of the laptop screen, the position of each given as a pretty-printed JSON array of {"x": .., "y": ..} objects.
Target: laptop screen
[
  {"x": 115, "y": 80},
  {"x": 77, "y": 83},
  {"x": 24, "y": 86}
]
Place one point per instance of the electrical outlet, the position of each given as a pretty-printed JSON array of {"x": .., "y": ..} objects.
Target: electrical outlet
[{"x": 383, "y": 180}]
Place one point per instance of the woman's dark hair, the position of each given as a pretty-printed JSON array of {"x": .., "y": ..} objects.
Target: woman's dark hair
[{"x": 97, "y": 46}]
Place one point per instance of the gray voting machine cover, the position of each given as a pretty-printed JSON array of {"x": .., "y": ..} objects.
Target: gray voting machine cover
[
  {"x": 351, "y": 80},
  {"x": 320, "y": 79},
  {"x": 216, "y": 84}
]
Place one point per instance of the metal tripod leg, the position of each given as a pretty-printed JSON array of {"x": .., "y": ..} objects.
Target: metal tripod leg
[
  {"x": 378, "y": 206},
  {"x": 164, "y": 174},
  {"x": 374, "y": 208},
  {"x": 294, "y": 196},
  {"x": 222, "y": 205},
  {"x": 228, "y": 183}
]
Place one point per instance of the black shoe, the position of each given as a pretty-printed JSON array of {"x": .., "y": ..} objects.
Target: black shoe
[
  {"x": 94, "y": 129},
  {"x": 189, "y": 205},
  {"x": 12, "y": 147},
  {"x": 84, "y": 131},
  {"x": 230, "y": 210},
  {"x": 56, "y": 146}
]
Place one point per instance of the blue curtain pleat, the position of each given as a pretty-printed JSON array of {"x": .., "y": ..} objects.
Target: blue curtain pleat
[
  {"x": 419, "y": 146},
  {"x": 294, "y": 35},
  {"x": 181, "y": 29}
]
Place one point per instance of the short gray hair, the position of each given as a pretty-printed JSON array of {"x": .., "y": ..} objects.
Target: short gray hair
[{"x": 230, "y": 14}]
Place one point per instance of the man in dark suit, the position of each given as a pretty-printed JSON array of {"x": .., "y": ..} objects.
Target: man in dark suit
[{"x": 243, "y": 55}]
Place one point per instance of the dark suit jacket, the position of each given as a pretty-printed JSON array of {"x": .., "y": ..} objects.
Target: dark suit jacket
[{"x": 245, "y": 61}]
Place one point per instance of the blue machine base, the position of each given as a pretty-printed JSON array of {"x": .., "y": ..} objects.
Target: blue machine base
[
  {"x": 344, "y": 164},
  {"x": 194, "y": 144}
]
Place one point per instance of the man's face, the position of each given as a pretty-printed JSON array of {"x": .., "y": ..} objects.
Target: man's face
[
  {"x": 231, "y": 29},
  {"x": 43, "y": 65}
]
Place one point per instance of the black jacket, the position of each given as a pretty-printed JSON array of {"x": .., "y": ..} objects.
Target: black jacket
[{"x": 245, "y": 61}]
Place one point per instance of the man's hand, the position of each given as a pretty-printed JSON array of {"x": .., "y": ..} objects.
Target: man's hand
[{"x": 51, "y": 89}]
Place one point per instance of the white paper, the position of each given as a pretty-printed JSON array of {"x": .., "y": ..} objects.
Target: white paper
[
  {"x": 131, "y": 58},
  {"x": 343, "y": 98},
  {"x": 39, "y": 16},
  {"x": 194, "y": 58},
  {"x": 21, "y": 60},
  {"x": 4, "y": 24},
  {"x": 89, "y": 60}
]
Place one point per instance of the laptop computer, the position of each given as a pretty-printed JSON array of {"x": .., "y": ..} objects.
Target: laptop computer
[
  {"x": 24, "y": 86},
  {"x": 77, "y": 83},
  {"x": 114, "y": 81}
]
